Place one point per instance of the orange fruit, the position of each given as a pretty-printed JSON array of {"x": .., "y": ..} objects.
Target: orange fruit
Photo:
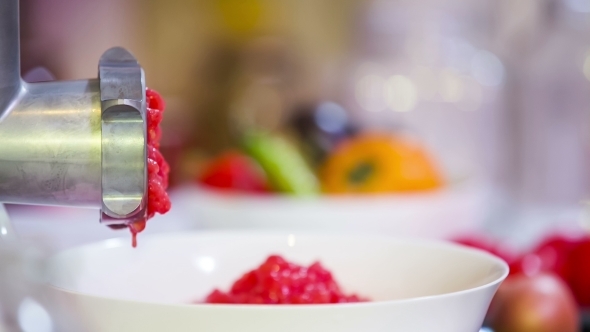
[{"x": 379, "y": 163}]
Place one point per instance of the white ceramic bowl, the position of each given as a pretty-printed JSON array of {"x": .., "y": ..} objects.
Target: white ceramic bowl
[
  {"x": 439, "y": 214},
  {"x": 415, "y": 285}
]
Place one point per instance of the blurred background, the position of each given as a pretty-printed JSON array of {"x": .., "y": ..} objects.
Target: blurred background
[
  {"x": 484, "y": 104},
  {"x": 496, "y": 91}
]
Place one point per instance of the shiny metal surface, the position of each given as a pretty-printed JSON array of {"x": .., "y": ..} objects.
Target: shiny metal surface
[
  {"x": 50, "y": 151},
  {"x": 124, "y": 171},
  {"x": 121, "y": 76},
  {"x": 10, "y": 81},
  {"x": 75, "y": 143}
]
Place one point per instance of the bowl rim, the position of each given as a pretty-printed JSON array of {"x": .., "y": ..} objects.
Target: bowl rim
[{"x": 122, "y": 241}]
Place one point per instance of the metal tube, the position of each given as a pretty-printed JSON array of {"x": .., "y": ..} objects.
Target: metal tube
[
  {"x": 50, "y": 145},
  {"x": 10, "y": 81},
  {"x": 76, "y": 143}
]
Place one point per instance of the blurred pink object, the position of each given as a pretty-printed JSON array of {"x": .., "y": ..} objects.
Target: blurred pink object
[{"x": 38, "y": 74}]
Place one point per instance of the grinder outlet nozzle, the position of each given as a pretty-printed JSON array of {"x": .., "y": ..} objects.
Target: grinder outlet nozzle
[
  {"x": 123, "y": 138},
  {"x": 73, "y": 143}
]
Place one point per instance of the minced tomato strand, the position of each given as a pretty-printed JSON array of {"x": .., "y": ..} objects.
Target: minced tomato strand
[{"x": 158, "y": 168}]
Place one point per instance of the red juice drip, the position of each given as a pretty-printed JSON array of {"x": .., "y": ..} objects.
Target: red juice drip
[
  {"x": 158, "y": 168},
  {"x": 136, "y": 228}
]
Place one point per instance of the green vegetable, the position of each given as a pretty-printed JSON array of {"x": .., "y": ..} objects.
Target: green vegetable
[{"x": 284, "y": 165}]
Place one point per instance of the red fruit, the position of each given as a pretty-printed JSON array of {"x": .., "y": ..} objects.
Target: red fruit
[
  {"x": 576, "y": 272},
  {"x": 541, "y": 303},
  {"x": 158, "y": 201},
  {"x": 157, "y": 167},
  {"x": 154, "y": 100},
  {"x": 234, "y": 170},
  {"x": 553, "y": 252},
  {"x": 246, "y": 283},
  {"x": 566, "y": 257},
  {"x": 278, "y": 281},
  {"x": 550, "y": 255},
  {"x": 218, "y": 297}
]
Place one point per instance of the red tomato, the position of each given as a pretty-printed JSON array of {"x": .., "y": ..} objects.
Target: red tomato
[
  {"x": 541, "y": 303},
  {"x": 553, "y": 253},
  {"x": 549, "y": 256},
  {"x": 576, "y": 272},
  {"x": 234, "y": 170},
  {"x": 563, "y": 256},
  {"x": 567, "y": 257}
]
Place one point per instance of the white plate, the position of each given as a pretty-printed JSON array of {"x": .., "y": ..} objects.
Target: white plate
[
  {"x": 438, "y": 214},
  {"x": 417, "y": 286}
]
